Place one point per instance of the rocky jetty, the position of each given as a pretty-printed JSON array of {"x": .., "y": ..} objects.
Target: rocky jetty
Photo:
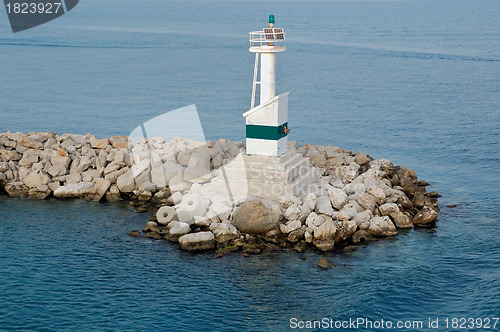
[{"x": 354, "y": 200}]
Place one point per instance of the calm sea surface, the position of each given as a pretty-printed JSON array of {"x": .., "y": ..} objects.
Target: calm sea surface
[{"x": 417, "y": 82}]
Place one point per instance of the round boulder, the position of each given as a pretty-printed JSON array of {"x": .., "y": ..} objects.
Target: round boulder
[{"x": 253, "y": 217}]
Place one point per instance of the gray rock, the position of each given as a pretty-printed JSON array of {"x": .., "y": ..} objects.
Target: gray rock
[
  {"x": 338, "y": 197},
  {"x": 253, "y": 217},
  {"x": 362, "y": 236},
  {"x": 36, "y": 179},
  {"x": 426, "y": 216},
  {"x": 224, "y": 232},
  {"x": 179, "y": 229},
  {"x": 292, "y": 213},
  {"x": 29, "y": 158},
  {"x": 57, "y": 170},
  {"x": 60, "y": 160},
  {"x": 126, "y": 182},
  {"x": 389, "y": 209},
  {"x": 325, "y": 264},
  {"x": 324, "y": 245},
  {"x": 4, "y": 166},
  {"x": 326, "y": 230},
  {"x": 367, "y": 201},
  {"x": 99, "y": 190},
  {"x": 73, "y": 178},
  {"x": 16, "y": 189},
  {"x": 74, "y": 190},
  {"x": 382, "y": 226},
  {"x": 197, "y": 241},
  {"x": 324, "y": 206}
]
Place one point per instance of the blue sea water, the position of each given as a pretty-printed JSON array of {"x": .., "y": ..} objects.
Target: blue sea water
[{"x": 417, "y": 82}]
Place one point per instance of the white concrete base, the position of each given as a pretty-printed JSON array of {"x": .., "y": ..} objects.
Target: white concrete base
[
  {"x": 264, "y": 147},
  {"x": 266, "y": 177}
]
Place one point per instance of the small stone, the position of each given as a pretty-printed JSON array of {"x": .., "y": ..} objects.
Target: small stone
[
  {"x": 323, "y": 206},
  {"x": 296, "y": 235},
  {"x": 135, "y": 234},
  {"x": 325, "y": 264},
  {"x": 338, "y": 197},
  {"x": 292, "y": 213}
]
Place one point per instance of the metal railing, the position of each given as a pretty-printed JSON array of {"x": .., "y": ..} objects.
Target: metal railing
[{"x": 260, "y": 38}]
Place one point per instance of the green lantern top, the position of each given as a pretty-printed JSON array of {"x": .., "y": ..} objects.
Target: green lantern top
[{"x": 271, "y": 19}]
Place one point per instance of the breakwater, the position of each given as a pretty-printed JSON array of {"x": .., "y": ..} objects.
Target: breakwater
[{"x": 355, "y": 198}]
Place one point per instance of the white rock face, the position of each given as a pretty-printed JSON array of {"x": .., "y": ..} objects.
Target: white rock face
[
  {"x": 291, "y": 226},
  {"x": 338, "y": 197},
  {"x": 389, "y": 209},
  {"x": 224, "y": 232},
  {"x": 367, "y": 201},
  {"x": 74, "y": 190},
  {"x": 180, "y": 228},
  {"x": 326, "y": 230},
  {"x": 313, "y": 220},
  {"x": 198, "y": 169},
  {"x": 378, "y": 193},
  {"x": 292, "y": 213},
  {"x": 323, "y": 206},
  {"x": 126, "y": 182},
  {"x": 197, "y": 241},
  {"x": 382, "y": 226},
  {"x": 35, "y": 179},
  {"x": 99, "y": 190}
]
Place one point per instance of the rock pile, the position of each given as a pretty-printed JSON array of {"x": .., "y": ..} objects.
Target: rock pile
[{"x": 356, "y": 199}]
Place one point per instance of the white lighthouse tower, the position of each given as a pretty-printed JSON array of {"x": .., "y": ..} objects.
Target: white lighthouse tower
[
  {"x": 267, "y": 170},
  {"x": 267, "y": 123}
]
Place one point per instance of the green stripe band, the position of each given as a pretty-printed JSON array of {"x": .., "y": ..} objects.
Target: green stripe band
[{"x": 267, "y": 132}]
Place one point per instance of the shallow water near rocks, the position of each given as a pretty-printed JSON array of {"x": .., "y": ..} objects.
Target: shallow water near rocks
[{"x": 416, "y": 82}]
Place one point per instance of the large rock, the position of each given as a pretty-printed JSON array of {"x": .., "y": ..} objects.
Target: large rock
[
  {"x": 345, "y": 229},
  {"x": 10, "y": 155},
  {"x": 74, "y": 190},
  {"x": 389, "y": 209},
  {"x": 326, "y": 230},
  {"x": 253, "y": 217},
  {"x": 382, "y": 226},
  {"x": 402, "y": 220},
  {"x": 338, "y": 197},
  {"x": 179, "y": 229},
  {"x": 425, "y": 217},
  {"x": 197, "y": 241},
  {"x": 323, "y": 206},
  {"x": 60, "y": 160},
  {"x": 292, "y": 213},
  {"x": 99, "y": 190},
  {"x": 367, "y": 201},
  {"x": 324, "y": 245},
  {"x": 36, "y": 179},
  {"x": 224, "y": 232},
  {"x": 126, "y": 182},
  {"x": 28, "y": 159},
  {"x": 16, "y": 189},
  {"x": 198, "y": 170}
]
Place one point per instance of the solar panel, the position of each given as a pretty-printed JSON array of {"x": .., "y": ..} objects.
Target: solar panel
[
  {"x": 268, "y": 33},
  {"x": 274, "y": 34},
  {"x": 278, "y": 33}
]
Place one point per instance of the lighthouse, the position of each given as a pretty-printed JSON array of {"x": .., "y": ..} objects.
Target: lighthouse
[
  {"x": 268, "y": 169},
  {"x": 267, "y": 122}
]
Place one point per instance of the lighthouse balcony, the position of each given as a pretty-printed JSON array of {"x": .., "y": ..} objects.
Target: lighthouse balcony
[{"x": 270, "y": 40}]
